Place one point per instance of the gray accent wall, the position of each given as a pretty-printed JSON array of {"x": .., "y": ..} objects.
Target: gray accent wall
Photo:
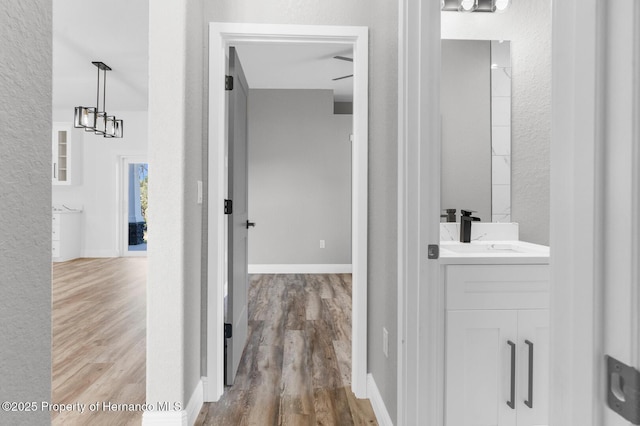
[
  {"x": 466, "y": 127},
  {"x": 528, "y": 25},
  {"x": 25, "y": 194},
  {"x": 381, "y": 17},
  {"x": 299, "y": 178}
]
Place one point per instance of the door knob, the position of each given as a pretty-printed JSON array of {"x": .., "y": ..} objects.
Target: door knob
[{"x": 250, "y": 224}]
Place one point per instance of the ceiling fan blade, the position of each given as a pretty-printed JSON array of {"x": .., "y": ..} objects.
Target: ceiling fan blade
[
  {"x": 343, "y": 77},
  {"x": 343, "y": 58}
]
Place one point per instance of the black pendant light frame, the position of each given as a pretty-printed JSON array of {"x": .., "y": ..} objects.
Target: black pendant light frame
[{"x": 92, "y": 119}]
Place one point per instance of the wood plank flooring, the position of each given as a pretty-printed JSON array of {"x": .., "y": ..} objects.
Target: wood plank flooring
[
  {"x": 99, "y": 338},
  {"x": 296, "y": 367}
]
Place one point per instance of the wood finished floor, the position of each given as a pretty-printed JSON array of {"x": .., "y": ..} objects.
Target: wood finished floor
[
  {"x": 99, "y": 337},
  {"x": 296, "y": 367}
]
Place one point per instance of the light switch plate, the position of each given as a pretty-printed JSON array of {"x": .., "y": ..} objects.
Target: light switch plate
[{"x": 199, "y": 192}]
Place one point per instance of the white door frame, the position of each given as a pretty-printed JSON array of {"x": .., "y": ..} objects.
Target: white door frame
[
  {"x": 576, "y": 191},
  {"x": 123, "y": 204},
  {"x": 221, "y": 35},
  {"x": 420, "y": 311},
  {"x": 578, "y": 149},
  {"x": 595, "y": 51}
]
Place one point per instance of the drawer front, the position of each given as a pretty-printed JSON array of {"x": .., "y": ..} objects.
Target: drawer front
[
  {"x": 55, "y": 249},
  {"x": 55, "y": 226},
  {"x": 497, "y": 286}
]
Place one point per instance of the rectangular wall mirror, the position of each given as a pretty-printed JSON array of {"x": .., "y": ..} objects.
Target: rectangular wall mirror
[{"x": 476, "y": 128}]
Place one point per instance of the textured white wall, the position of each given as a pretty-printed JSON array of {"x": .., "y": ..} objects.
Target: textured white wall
[
  {"x": 381, "y": 16},
  {"x": 25, "y": 194},
  {"x": 299, "y": 178},
  {"x": 166, "y": 256},
  {"x": 176, "y": 41},
  {"x": 96, "y": 161},
  {"x": 528, "y": 25}
]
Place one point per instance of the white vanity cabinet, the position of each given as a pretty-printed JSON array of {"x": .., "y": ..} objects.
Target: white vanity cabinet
[{"x": 497, "y": 337}]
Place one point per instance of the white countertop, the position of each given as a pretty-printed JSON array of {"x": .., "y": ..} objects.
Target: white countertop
[
  {"x": 493, "y": 253},
  {"x": 66, "y": 209}
]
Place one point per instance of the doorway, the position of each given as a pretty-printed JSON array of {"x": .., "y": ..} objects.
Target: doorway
[
  {"x": 295, "y": 166},
  {"x": 594, "y": 81},
  {"x": 221, "y": 37},
  {"x": 133, "y": 200}
]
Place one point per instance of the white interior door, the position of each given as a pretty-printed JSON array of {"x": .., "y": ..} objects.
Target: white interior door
[{"x": 236, "y": 311}]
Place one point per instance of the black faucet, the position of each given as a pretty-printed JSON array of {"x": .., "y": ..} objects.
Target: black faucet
[
  {"x": 465, "y": 225},
  {"x": 451, "y": 215}
]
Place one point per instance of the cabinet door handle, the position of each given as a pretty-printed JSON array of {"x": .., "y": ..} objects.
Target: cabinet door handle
[
  {"x": 529, "y": 401},
  {"x": 512, "y": 403},
  {"x": 54, "y": 171}
]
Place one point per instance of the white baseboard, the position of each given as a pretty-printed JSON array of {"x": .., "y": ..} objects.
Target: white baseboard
[
  {"x": 377, "y": 403},
  {"x": 299, "y": 268},
  {"x": 195, "y": 402},
  {"x": 184, "y": 417},
  {"x": 165, "y": 418}
]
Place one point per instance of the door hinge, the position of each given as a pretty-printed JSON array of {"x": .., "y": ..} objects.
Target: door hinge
[
  {"x": 433, "y": 251},
  {"x": 228, "y": 82},
  {"x": 228, "y": 330},
  {"x": 228, "y": 206},
  {"x": 623, "y": 390}
]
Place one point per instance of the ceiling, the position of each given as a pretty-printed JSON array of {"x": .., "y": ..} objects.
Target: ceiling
[
  {"x": 298, "y": 66},
  {"x": 116, "y": 33}
]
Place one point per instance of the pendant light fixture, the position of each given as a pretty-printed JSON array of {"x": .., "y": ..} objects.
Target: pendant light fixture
[
  {"x": 93, "y": 119},
  {"x": 474, "y": 5}
]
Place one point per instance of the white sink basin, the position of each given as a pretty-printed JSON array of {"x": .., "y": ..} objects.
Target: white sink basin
[{"x": 510, "y": 249}]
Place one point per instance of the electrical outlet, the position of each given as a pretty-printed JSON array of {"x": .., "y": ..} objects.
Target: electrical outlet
[
  {"x": 385, "y": 342},
  {"x": 321, "y": 243}
]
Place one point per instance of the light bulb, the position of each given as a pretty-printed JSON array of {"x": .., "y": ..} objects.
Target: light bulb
[
  {"x": 468, "y": 5},
  {"x": 84, "y": 117},
  {"x": 502, "y": 5},
  {"x": 119, "y": 129},
  {"x": 109, "y": 127},
  {"x": 101, "y": 123}
]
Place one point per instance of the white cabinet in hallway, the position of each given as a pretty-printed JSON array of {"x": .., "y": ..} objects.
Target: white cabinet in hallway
[
  {"x": 65, "y": 235},
  {"x": 497, "y": 345},
  {"x": 61, "y": 154}
]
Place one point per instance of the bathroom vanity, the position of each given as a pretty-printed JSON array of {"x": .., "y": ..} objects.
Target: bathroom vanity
[{"x": 496, "y": 329}]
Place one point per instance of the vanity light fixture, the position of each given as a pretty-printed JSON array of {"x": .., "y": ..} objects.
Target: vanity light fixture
[
  {"x": 92, "y": 119},
  {"x": 474, "y": 5}
]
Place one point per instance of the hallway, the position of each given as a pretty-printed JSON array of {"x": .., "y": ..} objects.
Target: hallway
[
  {"x": 296, "y": 368},
  {"x": 99, "y": 338}
]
